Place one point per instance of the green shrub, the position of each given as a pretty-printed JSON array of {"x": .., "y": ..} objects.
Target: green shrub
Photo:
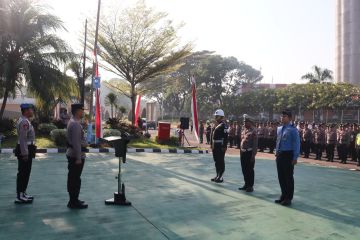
[
  {"x": 59, "y": 137},
  {"x": 172, "y": 141},
  {"x": 111, "y": 132},
  {"x": 122, "y": 126},
  {"x": 59, "y": 124},
  {"x": 46, "y": 128},
  {"x": 8, "y": 127}
]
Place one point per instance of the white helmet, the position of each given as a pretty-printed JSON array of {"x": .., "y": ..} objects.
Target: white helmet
[{"x": 220, "y": 113}]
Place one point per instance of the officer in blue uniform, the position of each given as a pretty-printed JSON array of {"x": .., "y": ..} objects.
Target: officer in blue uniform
[
  {"x": 287, "y": 153},
  {"x": 219, "y": 141}
]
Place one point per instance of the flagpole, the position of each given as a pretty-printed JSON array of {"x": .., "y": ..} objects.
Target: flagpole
[
  {"x": 89, "y": 137},
  {"x": 82, "y": 94}
]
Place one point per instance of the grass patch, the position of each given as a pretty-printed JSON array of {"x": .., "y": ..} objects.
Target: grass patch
[{"x": 41, "y": 142}]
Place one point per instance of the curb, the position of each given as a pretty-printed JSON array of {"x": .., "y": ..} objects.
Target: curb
[{"x": 111, "y": 150}]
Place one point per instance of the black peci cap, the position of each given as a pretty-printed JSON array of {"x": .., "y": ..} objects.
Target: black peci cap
[
  {"x": 76, "y": 106},
  {"x": 287, "y": 112}
]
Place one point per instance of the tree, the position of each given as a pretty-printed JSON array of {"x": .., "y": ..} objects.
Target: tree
[
  {"x": 30, "y": 51},
  {"x": 76, "y": 68},
  {"x": 139, "y": 45},
  {"x": 319, "y": 75},
  {"x": 111, "y": 99}
]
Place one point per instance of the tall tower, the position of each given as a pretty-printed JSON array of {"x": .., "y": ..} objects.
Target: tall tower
[{"x": 347, "y": 67}]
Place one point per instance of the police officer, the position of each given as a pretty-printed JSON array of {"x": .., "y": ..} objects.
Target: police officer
[
  {"x": 201, "y": 131},
  {"x": 238, "y": 135},
  {"x": 287, "y": 153},
  {"x": 248, "y": 150},
  {"x": 232, "y": 131},
  {"x": 343, "y": 139},
  {"x": 75, "y": 156},
  {"x": 208, "y": 132},
  {"x": 260, "y": 133},
  {"x": 219, "y": 141},
  {"x": 330, "y": 142},
  {"x": 25, "y": 151},
  {"x": 306, "y": 139},
  {"x": 272, "y": 137},
  {"x": 319, "y": 140}
]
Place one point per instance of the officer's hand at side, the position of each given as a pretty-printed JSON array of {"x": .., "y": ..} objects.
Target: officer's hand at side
[
  {"x": 25, "y": 157},
  {"x": 224, "y": 149},
  {"x": 78, "y": 162},
  {"x": 294, "y": 162}
]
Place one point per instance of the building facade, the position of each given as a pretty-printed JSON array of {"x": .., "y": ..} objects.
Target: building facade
[{"x": 347, "y": 68}]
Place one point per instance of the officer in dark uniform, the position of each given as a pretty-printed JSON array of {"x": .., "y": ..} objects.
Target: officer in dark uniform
[
  {"x": 319, "y": 139},
  {"x": 25, "y": 152},
  {"x": 343, "y": 139},
  {"x": 287, "y": 153},
  {"x": 219, "y": 141},
  {"x": 76, "y": 158},
  {"x": 208, "y": 132},
  {"x": 306, "y": 140},
  {"x": 272, "y": 137},
  {"x": 248, "y": 150},
  {"x": 330, "y": 142}
]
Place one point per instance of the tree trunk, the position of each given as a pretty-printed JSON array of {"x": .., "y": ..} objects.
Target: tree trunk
[
  {"x": 6, "y": 95},
  {"x": 133, "y": 103}
]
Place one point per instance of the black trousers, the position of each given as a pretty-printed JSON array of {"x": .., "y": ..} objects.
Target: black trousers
[
  {"x": 247, "y": 167},
  {"x": 237, "y": 141},
  {"x": 272, "y": 145},
  {"x": 74, "y": 180},
  {"x": 261, "y": 144},
  {"x": 208, "y": 138},
  {"x": 23, "y": 175},
  {"x": 231, "y": 141},
  {"x": 330, "y": 149},
  {"x": 285, "y": 170},
  {"x": 319, "y": 148},
  {"x": 306, "y": 145},
  {"x": 353, "y": 152},
  {"x": 201, "y": 137},
  {"x": 219, "y": 159},
  {"x": 343, "y": 152},
  {"x": 358, "y": 155}
]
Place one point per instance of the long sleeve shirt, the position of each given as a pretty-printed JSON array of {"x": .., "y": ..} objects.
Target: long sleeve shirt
[
  {"x": 75, "y": 139},
  {"x": 288, "y": 140},
  {"x": 26, "y": 134}
]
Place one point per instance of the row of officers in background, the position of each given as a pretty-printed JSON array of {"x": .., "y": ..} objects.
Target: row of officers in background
[{"x": 321, "y": 140}]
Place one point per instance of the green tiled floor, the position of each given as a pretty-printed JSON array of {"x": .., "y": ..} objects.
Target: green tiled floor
[{"x": 173, "y": 199}]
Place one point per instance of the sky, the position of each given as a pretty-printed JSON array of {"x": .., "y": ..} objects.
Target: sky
[{"x": 283, "y": 38}]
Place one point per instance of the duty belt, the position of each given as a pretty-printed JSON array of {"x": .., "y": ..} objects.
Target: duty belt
[
  {"x": 246, "y": 150},
  {"x": 29, "y": 143},
  {"x": 218, "y": 141}
]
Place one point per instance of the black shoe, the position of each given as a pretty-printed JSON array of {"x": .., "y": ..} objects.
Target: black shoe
[
  {"x": 243, "y": 188},
  {"x": 219, "y": 180},
  {"x": 279, "y": 201},
  {"x": 81, "y": 201},
  {"x": 77, "y": 205},
  {"x": 249, "y": 189},
  {"x": 213, "y": 179},
  {"x": 286, "y": 203}
]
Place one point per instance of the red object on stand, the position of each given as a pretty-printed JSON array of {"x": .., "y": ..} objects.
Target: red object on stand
[{"x": 164, "y": 131}]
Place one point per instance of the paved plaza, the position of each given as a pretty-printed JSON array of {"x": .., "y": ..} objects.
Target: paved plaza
[{"x": 173, "y": 198}]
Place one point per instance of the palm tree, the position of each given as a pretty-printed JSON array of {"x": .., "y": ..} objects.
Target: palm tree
[
  {"x": 319, "y": 75},
  {"x": 111, "y": 99},
  {"x": 30, "y": 51},
  {"x": 76, "y": 68}
]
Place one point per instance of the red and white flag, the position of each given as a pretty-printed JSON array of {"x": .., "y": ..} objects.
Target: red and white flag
[
  {"x": 98, "y": 114},
  {"x": 137, "y": 109},
  {"x": 194, "y": 109}
]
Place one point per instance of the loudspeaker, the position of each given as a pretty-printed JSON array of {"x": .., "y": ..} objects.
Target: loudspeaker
[{"x": 184, "y": 123}]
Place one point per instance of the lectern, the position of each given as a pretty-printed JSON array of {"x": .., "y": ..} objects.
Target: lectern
[{"x": 120, "y": 146}]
